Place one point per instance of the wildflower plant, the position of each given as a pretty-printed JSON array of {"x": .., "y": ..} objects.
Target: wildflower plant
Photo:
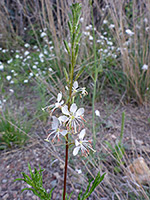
[{"x": 70, "y": 123}]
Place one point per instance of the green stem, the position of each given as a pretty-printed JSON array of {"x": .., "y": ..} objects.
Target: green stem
[
  {"x": 95, "y": 79},
  {"x": 122, "y": 127}
]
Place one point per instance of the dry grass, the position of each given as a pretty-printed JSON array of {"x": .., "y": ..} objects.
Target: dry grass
[{"x": 135, "y": 49}]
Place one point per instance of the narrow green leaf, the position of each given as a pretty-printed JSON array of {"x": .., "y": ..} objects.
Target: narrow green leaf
[
  {"x": 79, "y": 73},
  {"x": 67, "y": 47},
  {"x": 66, "y": 75}
]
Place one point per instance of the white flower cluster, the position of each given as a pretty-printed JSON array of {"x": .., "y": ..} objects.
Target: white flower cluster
[{"x": 70, "y": 122}]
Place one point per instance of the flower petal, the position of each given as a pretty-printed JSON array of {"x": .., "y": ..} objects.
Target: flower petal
[
  {"x": 79, "y": 112},
  {"x": 76, "y": 150},
  {"x": 75, "y": 85},
  {"x": 55, "y": 123},
  {"x": 65, "y": 110},
  {"x": 59, "y": 96},
  {"x": 64, "y": 132},
  {"x": 73, "y": 108},
  {"x": 77, "y": 143},
  {"x": 63, "y": 118},
  {"x": 82, "y": 134}
]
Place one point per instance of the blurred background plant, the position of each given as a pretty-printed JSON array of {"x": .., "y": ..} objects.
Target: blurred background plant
[{"x": 13, "y": 133}]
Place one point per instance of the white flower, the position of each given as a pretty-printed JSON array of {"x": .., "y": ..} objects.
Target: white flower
[
  {"x": 25, "y": 81},
  {"x": 81, "y": 19},
  {"x": 9, "y": 61},
  {"x": 82, "y": 144},
  {"x": 11, "y": 90},
  {"x": 43, "y": 34},
  {"x": 34, "y": 67},
  {"x": 105, "y": 21},
  {"x": 73, "y": 117},
  {"x": 58, "y": 103},
  {"x": 79, "y": 171},
  {"x": 97, "y": 113},
  {"x": 90, "y": 37},
  {"x": 86, "y": 33},
  {"x": 56, "y": 130},
  {"x": 50, "y": 69},
  {"x": 26, "y": 53},
  {"x": 35, "y": 47},
  {"x": 11, "y": 82},
  {"x": 17, "y": 56},
  {"x": 1, "y": 67},
  {"x": 129, "y": 32},
  {"x": 111, "y": 26},
  {"x": 26, "y": 45},
  {"x": 8, "y": 78},
  {"x": 76, "y": 89},
  {"x": 145, "y": 67}
]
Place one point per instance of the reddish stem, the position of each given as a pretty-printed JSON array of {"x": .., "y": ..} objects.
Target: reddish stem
[{"x": 66, "y": 164}]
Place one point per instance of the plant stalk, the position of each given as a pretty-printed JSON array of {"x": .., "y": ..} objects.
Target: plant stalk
[{"x": 66, "y": 164}]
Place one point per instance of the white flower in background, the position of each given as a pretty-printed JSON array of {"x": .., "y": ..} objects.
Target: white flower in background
[
  {"x": 56, "y": 130},
  {"x": 51, "y": 48},
  {"x": 25, "y": 81},
  {"x": 86, "y": 33},
  {"x": 45, "y": 52},
  {"x": 109, "y": 43},
  {"x": 35, "y": 47},
  {"x": 111, "y": 26},
  {"x": 82, "y": 144},
  {"x": 1, "y": 67},
  {"x": 34, "y": 67},
  {"x": 73, "y": 117},
  {"x": 88, "y": 27},
  {"x": 145, "y": 20},
  {"x": 147, "y": 28},
  {"x": 50, "y": 69},
  {"x": 9, "y": 61},
  {"x": 41, "y": 55},
  {"x": 43, "y": 34},
  {"x": 129, "y": 32},
  {"x": 56, "y": 105},
  {"x": 97, "y": 113},
  {"x": 145, "y": 67},
  {"x": 11, "y": 82},
  {"x": 90, "y": 37},
  {"x": 17, "y": 56},
  {"x": 11, "y": 90},
  {"x": 81, "y": 19},
  {"x": 105, "y": 21},
  {"x": 27, "y": 45},
  {"x": 8, "y": 78},
  {"x": 26, "y": 53},
  {"x": 28, "y": 57},
  {"x": 79, "y": 171}
]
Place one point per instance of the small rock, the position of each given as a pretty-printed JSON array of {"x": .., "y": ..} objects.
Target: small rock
[
  {"x": 139, "y": 142},
  {"x": 4, "y": 181},
  {"x": 140, "y": 171}
]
